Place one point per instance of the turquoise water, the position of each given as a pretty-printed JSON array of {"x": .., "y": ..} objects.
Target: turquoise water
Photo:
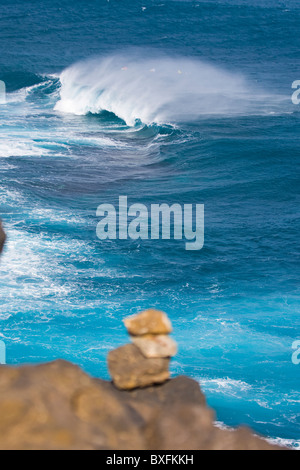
[{"x": 162, "y": 101}]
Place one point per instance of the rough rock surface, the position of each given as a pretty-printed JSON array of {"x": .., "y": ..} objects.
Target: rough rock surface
[
  {"x": 130, "y": 369},
  {"x": 155, "y": 345},
  {"x": 149, "y": 322},
  {"x": 58, "y": 406}
]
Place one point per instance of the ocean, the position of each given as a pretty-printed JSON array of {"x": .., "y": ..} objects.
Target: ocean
[{"x": 162, "y": 101}]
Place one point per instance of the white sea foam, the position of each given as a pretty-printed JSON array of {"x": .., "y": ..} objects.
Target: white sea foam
[
  {"x": 49, "y": 143},
  {"x": 225, "y": 385},
  {"x": 16, "y": 146},
  {"x": 291, "y": 443},
  {"x": 150, "y": 88}
]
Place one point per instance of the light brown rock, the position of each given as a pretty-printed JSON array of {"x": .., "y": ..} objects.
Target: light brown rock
[
  {"x": 153, "y": 322},
  {"x": 57, "y": 406},
  {"x": 187, "y": 426},
  {"x": 130, "y": 369},
  {"x": 155, "y": 345}
]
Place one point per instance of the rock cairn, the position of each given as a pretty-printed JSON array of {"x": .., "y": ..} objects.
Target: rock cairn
[{"x": 146, "y": 360}]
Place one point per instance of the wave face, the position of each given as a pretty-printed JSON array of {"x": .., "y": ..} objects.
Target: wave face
[{"x": 157, "y": 89}]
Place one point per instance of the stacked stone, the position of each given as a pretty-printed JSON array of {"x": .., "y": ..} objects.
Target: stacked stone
[{"x": 146, "y": 360}]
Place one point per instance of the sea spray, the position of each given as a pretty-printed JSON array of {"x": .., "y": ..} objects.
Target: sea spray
[{"x": 156, "y": 89}]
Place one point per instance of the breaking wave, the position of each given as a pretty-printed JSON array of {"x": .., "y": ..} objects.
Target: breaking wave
[{"x": 153, "y": 89}]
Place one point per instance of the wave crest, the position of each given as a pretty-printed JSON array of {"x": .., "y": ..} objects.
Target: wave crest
[{"x": 156, "y": 89}]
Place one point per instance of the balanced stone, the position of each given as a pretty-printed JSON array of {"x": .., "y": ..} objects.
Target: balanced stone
[
  {"x": 155, "y": 345},
  {"x": 130, "y": 369},
  {"x": 153, "y": 322}
]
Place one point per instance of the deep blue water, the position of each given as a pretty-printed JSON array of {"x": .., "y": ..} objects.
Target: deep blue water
[{"x": 176, "y": 101}]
